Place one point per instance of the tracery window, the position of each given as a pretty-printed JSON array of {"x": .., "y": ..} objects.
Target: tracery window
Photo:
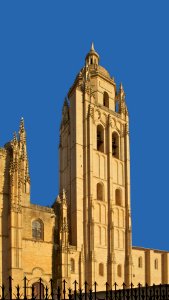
[{"x": 37, "y": 229}]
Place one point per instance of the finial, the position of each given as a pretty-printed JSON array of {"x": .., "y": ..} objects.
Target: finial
[{"x": 92, "y": 47}]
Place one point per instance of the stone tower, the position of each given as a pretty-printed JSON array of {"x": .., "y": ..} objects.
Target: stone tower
[{"x": 95, "y": 173}]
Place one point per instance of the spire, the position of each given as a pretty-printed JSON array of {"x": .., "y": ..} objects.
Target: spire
[
  {"x": 92, "y": 47},
  {"x": 22, "y": 128},
  {"x": 22, "y": 132}
]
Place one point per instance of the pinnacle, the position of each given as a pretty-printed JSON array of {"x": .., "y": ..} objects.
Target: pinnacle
[
  {"x": 121, "y": 86},
  {"x": 22, "y": 125},
  {"x": 15, "y": 137}
]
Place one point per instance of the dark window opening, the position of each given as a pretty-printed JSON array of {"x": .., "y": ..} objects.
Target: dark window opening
[
  {"x": 156, "y": 264},
  {"x": 101, "y": 269},
  {"x": 115, "y": 145},
  {"x": 118, "y": 198},
  {"x": 100, "y": 138},
  {"x": 119, "y": 271},
  {"x": 140, "y": 262},
  {"x": 100, "y": 191},
  {"x": 38, "y": 290},
  {"x": 106, "y": 99}
]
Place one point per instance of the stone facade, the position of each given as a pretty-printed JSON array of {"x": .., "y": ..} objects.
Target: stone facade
[{"x": 87, "y": 234}]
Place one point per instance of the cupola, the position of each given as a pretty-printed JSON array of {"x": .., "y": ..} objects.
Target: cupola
[{"x": 92, "y": 58}]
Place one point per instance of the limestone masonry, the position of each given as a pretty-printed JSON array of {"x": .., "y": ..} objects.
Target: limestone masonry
[{"x": 86, "y": 235}]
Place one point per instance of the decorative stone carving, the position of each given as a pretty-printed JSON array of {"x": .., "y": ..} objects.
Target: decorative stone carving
[{"x": 91, "y": 111}]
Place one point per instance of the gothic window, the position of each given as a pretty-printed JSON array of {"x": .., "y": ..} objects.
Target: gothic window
[
  {"x": 118, "y": 197},
  {"x": 119, "y": 271},
  {"x": 115, "y": 145},
  {"x": 100, "y": 191},
  {"x": 156, "y": 264},
  {"x": 72, "y": 265},
  {"x": 38, "y": 290},
  {"x": 101, "y": 269},
  {"x": 140, "y": 262},
  {"x": 106, "y": 99},
  {"x": 37, "y": 229},
  {"x": 100, "y": 138}
]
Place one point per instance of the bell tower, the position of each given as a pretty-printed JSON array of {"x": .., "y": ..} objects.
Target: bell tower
[{"x": 95, "y": 173}]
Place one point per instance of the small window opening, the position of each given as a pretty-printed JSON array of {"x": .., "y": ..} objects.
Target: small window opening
[
  {"x": 101, "y": 269},
  {"x": 118, "y": 198},
  {"x": 100, "y": 191},
  {"x": 106, "y": 99},
  {"x": 100, "y": 138},
  {"x": 91, "y": 61},
  {"x": 140, "y": 262},
  {"x": 119, "y": 271},
  {"x": 72, "y": 265},
  {"x": 156, "y": 264},
  {"x": 115, "y": 145}
]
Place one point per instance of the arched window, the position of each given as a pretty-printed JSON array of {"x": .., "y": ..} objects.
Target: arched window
[
  {"x": 156, "y": 264},
  {"x": 38, "y": 290},
  {"x": 101, "y": 269},
  {"x": 140, "y": 262},
  {"x": 37, "y": 229},
  {"x": 100, "y": 138},
  {"x": 100, "y": 191},
  {"x": 72, "y": 265},
  {"x": 118, "y": 197},
  {"x": 119, "y": 271},
  {"x": 115, "y": 145},
  {"x": 106, "y": 99}
]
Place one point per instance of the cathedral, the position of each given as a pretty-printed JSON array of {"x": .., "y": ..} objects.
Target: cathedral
[{"x": 86, "y": 235}]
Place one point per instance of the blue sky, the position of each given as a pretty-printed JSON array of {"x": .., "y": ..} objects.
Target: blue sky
[{"x": 42, "y": 47}]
